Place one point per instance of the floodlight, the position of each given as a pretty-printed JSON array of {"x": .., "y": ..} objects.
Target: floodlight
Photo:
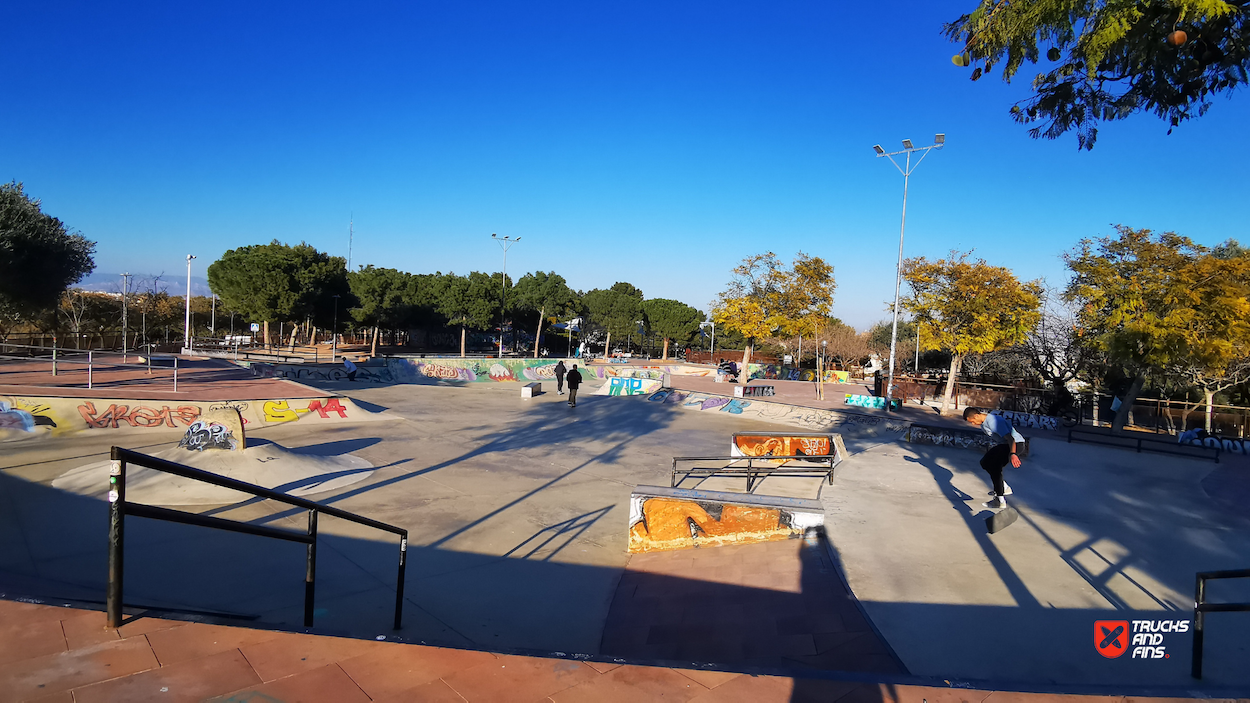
[
  {"x": 877, "y": 148},
  {"x": 907, "y": 144},
  {"x": 940, "y": 139}
]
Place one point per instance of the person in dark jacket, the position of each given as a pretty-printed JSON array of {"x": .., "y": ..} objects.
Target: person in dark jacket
[
  {"x": 560, "y": 370},
  {"x": 575, "y": 379}
]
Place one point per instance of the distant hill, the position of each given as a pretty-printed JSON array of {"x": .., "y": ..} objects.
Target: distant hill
[{"x": 174, "y": 285}]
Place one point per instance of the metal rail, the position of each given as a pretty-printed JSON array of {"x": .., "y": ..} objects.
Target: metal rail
[
  {"x": 752, "y": 472},
  {"x": 1202, "y": 607},
  {"x": 1161, "y": 446},
  {"x": 119, "y": 508}
]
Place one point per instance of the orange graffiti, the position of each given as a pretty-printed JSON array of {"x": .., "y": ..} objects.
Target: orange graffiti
[
  {"x": 680, "y": 524},
  {"x": 138, "y": 417},
  {"x": 782, "y": 445}
]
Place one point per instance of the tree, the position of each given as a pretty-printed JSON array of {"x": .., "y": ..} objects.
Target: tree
[
  {"x": 765, "y": 298},
  {"x": 1134, "y": 298},
  {"x": 467, "y": 301},
  {"x": 277, "y": 282},
  {"x": 380, "y": 298},
  {"x": 673, "y": 321},
  {"x": 544, "y": 293},
  {"x": 968, "y": 307},
  {"x": 1108, "y": 60},
  {"x": 39, "y": 258},
  {"x": 616, "y": 310},
  {"x": 1057, "y": 349}
]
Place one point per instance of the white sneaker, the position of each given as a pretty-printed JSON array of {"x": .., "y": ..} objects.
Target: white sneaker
[
  {"x": 1006, "y": 492},
  {"x": 997, "y": 503}
]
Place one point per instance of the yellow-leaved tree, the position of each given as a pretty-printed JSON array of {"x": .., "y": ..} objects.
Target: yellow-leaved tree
[
  {"x": 765, "y": 298},
  {"x": 967, "y": 306}
]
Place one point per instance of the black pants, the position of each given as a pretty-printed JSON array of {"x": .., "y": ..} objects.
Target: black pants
[
  {"x": 993, "y": 462},
  {"x": 559, "y": 384},
  {"x": 351, "y": 375},
  {"x": 572, "y": 395}
]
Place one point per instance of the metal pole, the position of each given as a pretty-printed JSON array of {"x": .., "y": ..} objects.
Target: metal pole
[
  {"x": 186, "y": 331},
  {"x": 117, "y": 521},
  {"x": 334, "y": 336},
  {"x": 503, "y": 299},
  {"x": 89, "y": 364},
  {"x": 125, "y": 281},
  {"x": 1199, "y": 596},
  {"x": 212, "y": 325},
  {"x": 53, "y": 354},
  {"x": 399, "y": 583},
  {"x": 898, "y": 281},
  {"x": 175, "y": 374},
  {"x": 310, "y": 570}
]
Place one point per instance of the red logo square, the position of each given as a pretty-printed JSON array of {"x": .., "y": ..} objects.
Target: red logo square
[{"x": 1111, "y": 637}]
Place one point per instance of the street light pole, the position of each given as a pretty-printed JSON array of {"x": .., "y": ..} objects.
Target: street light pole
[
  {"x": 186, "y": 330},
  {"x": 506, "y": 243},
  {"x": 125, "y": 289},
  {"x": 908, "y": 149}
]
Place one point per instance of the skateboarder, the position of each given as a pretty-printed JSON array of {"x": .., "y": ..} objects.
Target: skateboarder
[
  {"x": 575, "y": 379},
  {"x": 1004, "y": 450},
  {"x": 559, "y": 371},
  {"x": 351, "y": 369}
]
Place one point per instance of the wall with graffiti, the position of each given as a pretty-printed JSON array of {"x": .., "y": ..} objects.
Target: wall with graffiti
[
  {"x": 1016, "y": 419},
  {"x": 24, "y": 418},
  {"x": 663, "y": 519},
  {"x": 951, "y": 437},
  {"x": 790, "y": 373},
  {"x": 629, "y": 386},
  {"x": 868, "y": 401}
]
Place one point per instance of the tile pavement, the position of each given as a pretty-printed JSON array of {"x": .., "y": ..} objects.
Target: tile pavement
[{"x": 150, "y": 659}]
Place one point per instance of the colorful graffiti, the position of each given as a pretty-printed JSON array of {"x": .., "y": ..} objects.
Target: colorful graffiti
[
  {"x": 1231, "y": 445},
  {"x": 868, "y": 401},
  {"x": 676, "y": 519},
  {"x": 963, "y": 439},
  {"x": 629, "y": 386},
  {"x": 137, "y": 415},
  {"x": 1028, "y": 419},
  {"x": 782, "y": 445},
  {"x": 26, "y": 416},
  {"x": 281, "y": 410},
  {"x": 795, "y": 415},
  {"x": 789, "y": 373},
  {"x": 15, "y": 419},
  {"x": 321, "y": 372}
]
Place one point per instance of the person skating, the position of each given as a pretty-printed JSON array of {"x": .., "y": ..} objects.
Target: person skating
[
  {"x": 575, "y": 379},
  {"x": 559, "y": 371},
  {"x": 351, "y": 369},
  {"x": 1004, "y": 450}
]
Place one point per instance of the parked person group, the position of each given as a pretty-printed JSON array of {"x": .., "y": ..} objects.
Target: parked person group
[{"x": 728, "y": 369}]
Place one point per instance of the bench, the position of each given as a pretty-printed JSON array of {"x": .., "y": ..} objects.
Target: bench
[{"x": 530, "y": 390}]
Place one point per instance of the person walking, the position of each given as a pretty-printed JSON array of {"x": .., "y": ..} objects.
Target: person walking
[
  {"x": 1004, "y": 450},
  {"x": 575, "y": 379},
  {"x": 560, "y": 370}
]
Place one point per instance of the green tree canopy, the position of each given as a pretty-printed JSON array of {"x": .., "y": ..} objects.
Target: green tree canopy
[
  {"x": 470, "y": 302},
  {"x": 39, "y": 258},
  {"x": 968, "y": 307},
  {"x": 1105, "y": 60},
  {"x": 278, "y": 282},
  {"x": 673, "y": 321},
  {"x": 615, "y": 310},
  {"x": 543, "y": 294}
]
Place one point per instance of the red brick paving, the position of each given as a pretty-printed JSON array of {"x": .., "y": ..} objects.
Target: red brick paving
[
  {"x": 237, "y": 665},
  {"x": 198, "y": 379}
]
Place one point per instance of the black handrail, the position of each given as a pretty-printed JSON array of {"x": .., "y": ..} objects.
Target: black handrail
[
  {"x": 1165, "y": 446},
  {"x": 752, "y": 472},
  {"x": 1201, "y": 607},
  {"x": 119, "y": 507}
]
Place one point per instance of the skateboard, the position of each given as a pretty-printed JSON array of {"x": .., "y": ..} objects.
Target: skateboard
[{"x": 1001, "y": 520}]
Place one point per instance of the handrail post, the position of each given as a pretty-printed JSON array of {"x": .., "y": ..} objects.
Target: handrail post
[
  {"x": 54, "y": 356},
  {"x": 399, "y": 583},
  {"x": 310, "y": 570},
  {"x": 117, "y": 518},
  {"x": 175, "y": 374},
  {"x": 1200, "y": 592},
  {"x": 89, "y": 353}
]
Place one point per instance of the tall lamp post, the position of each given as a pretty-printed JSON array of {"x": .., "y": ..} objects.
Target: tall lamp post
[
  {"x": 334, "y": 335},
  {"x": 506, "y": 243},
  {"x": 186, "y": 330},
  {"x": 125, "y": 291},
  {"x": 712, "y": 324},
  {"x": 906, "y": 169}
]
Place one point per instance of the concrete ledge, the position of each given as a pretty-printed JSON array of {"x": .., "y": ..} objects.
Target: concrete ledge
[
  {"x": 530, "y": 390},
  {"x": 951, "y": 437},
  {"x": 662, "y": 518}
]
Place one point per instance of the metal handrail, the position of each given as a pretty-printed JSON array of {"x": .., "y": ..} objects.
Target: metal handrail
[
  {"x": 752, "y": 472},
  {"x": 1166, "y": 446},
  {"x": 1201, "y": 607},
  {"x": 91, "y": 363},
  {"x": 119, "y": 507}
]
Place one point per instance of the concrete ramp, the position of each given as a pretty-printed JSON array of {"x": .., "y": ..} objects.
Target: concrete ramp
[
  {"x": 663, "y": 518},
  {"x": 630, "y": 386}
]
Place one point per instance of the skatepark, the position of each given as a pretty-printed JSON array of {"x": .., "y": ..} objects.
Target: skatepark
[{"x": 517, "y": 513}]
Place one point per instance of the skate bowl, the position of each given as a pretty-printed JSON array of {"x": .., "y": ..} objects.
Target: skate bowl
[{"x": 662, "y": 518}]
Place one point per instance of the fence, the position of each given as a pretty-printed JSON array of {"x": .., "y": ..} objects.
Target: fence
[
  {"x": 1202, "y": 607},
  {"x": 59, "y": 357}
]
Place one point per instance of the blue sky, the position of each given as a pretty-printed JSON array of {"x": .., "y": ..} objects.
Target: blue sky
[{"x": 656, "y": 143}]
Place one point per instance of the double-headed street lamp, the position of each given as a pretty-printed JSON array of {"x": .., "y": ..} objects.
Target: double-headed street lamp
[
  {"x": 906, "y": 169},
  {"x": 506, "y": 243}
]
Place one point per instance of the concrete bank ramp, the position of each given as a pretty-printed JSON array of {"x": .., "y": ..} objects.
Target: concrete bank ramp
[
  {"x": 852, "y": 426},
  {"x": 293, "y": 471}
]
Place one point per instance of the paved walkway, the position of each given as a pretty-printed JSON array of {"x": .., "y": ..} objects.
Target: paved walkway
[
  {"x": 198, "y": 379},
  {"x": 54, "y": 654},
  {"x": 777, "y": 604}
]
